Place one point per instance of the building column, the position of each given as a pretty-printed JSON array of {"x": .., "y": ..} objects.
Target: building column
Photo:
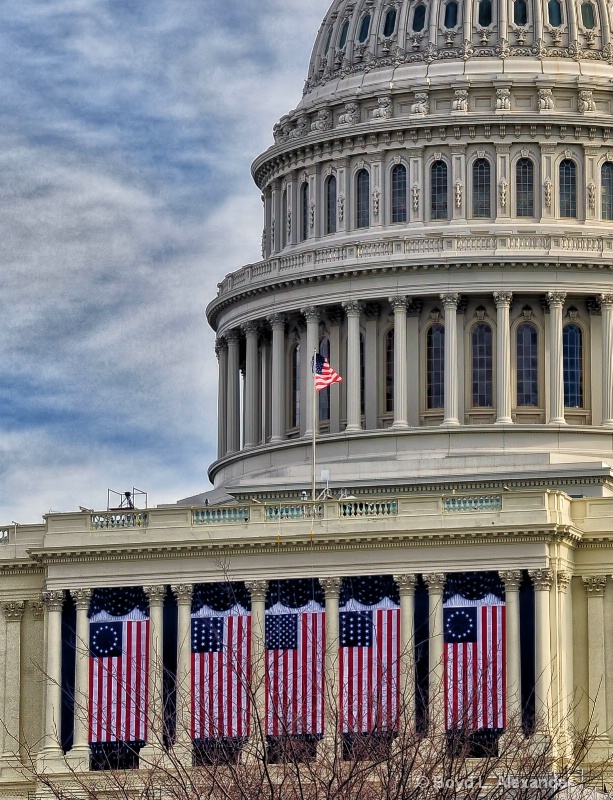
[
  {"x": 155, "y": 723},
  {"x": 53, "y": 602},
  {"x": 257, "y": 591},
  {"x": 406, "y": 588},
  {"x": 450, "y": 303},
  {"x": 13, "y": 613},
  {"x": 503, "y": 357},
  {"x": 595, "y": 587},
  {"x": 435, "y": 582},
  {"x": 401, "y": 392},
  {"x": 332, "y": 590},
  {"x": 335, "y": 316},
  {"x": 512, "y": 582},
  {"x": 277, "y": 322},
  {"x": 354, "y": 412},
  {"x": 565, "y": 650},
  {"x": 251, "y": 330},
  {"x": 221, "y": 350},
  {"x": 542, "y": 580},
  {"x": 606, "y": 306},
  {"x": 556, "y": 373},
  {"x": 80, "y": 745},
  {"x": 234, "y": 391},
  {"x": 183, "y": 741},
  {"x": 311, "y": 315}
]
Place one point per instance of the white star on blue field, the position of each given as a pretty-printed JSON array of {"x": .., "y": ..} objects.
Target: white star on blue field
[{"x": 126, "y": 137}]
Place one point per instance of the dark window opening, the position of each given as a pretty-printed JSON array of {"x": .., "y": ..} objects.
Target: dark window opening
[
  {"x": 451, "y": 14},
  {"x": 485, "y": 13},
  {"x": 390, "y": 22},
  {"x": 419, "y": 18},
  {"x": 555, "y": 13},
  {"x": 364, "y": 29},
  {"x": 520, "y": 12}
]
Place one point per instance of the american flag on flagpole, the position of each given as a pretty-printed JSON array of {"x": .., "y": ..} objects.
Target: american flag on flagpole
[
  {"x": 369, "y": 659},
  {"x": 118, "y": 677},
  {"x": 323, "y": 373},
  {"x": 221, "y": 670},
  {"x": 474, "y": 663},
  {"x": 295, "y": 649}
]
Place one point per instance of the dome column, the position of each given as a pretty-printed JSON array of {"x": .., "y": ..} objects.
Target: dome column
[
  {"x": 275, "y": 218},
  {"x": 503, "y": 357},
  {"x": 233, "y": 394},
  {"x": 277, "y": 322},
  {"x": 13, "y": 713},
  {"x": 335, "y": 317},
  {"x": 80, "y": 745},
  {"x": 311, "y": 315},
  {"x": 556, "y": 373},
  {"x": 341, "y": 197},
  {"x": 399, "y": 304},
  {"x": 512, "y": 581},
  {"x": 542, "y": 580},
  {"x": 590, "y": 160},
  {"x": 354, "y": 412},
  {"x": 221, "y": 351},
  {"x": 450, "y": 303},
  {"x": 606, "y": 305},
  {"x": 251, "y": 329},
  {"x": 156, "y": 596}
]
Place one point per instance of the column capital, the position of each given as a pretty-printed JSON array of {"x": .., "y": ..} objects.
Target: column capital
[
  {"x": 399, "y": 302},
  {"x": 53, "y": 600},
  {"x": 352, "y": 308},
  {"x": 183, "y": 593},
  {"x": 276, "y": 320},
  {"x": 13, "y": 610},
  {"x": 594, "y": 585},
  {"x": 542, "y": 579},
  {"x": 511, "y": 579},
  {"x": 564, "y": 579},
  {"x": 155, "y": 595},
  {"x": 37, "y": 609},
  {"x": 220, "y": 344},
  {"x": 606, "y": 300},
  {"x": 257, "y": 589},
  {"x": 250, "y": 328},
  {"x": 310, "y": 313},
  {"x": 81, "y": 598},
  {"x": 556, "y": 299},
  {"x": 335, "y": 316},
  {"x": 331, "y": 587},
  {"x": 372, "y": 310},
  {"x": 450, "y": 299},
  {"x": 233, "y": 336},
  {"x": 435, "y": 581},
  {"x": 503, "y": 299},
  {"x": 406, "y": 584}
]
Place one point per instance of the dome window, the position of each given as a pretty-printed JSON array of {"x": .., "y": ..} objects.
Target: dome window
[
  {"x": 482, "y": 366},
  {"x": 572, "y": 362},
  {"x": 399, "y": 193},
  {"x": 435, "y": 366},
  {"x": 526, "y": 350},
  {"x": 344, "y": 31},
  {"x": 555, "y": 13},
  {"x": 419, "y": 18},
  {"x": 524, "y": 188},
  {"x": 364, "y": 29},
  {"x": 568, "y": 189},
  {"x": 606, "y": 180},
  {"x": 520, "y": 12},
  {"x": 587, "y": 16},
  {"x": 481, "y": 188},
  {"x": 390, "y": 23},
  {"x": 485, "y": 13},
  {"x": 328, "y": 40},
  {"x": 438, "y": 190},
  {"x": 363, "y": 199},
  {"x": 451, "y": 14}
]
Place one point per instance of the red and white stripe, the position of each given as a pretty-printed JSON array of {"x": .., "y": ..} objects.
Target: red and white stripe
[
  {"x": 326, "y": 377},
  {"x": 475, "y": 674},
  {"x": 220, "y": 684},
  {"x": 370, "y": 678},
  {"x": 295, "y": 681},
  {"x": 118, "y": 688}
]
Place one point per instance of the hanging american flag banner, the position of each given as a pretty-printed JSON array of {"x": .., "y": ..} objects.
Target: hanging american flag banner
[
  {"x": 118, "y": 677},
  {"x": 369, "y": 666},
  {"x": 474, "y": 661},
  {"x": 221, "y": 659},
  {"x": 295, "y": 648}
]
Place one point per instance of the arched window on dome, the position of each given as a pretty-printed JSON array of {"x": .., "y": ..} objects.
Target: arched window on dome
[
  {"x": 568, "y": 188},
  {"x": 606, "y": 182},
  {"x": 304, "y": 211},
  {"x": 362, "y": 205},
  {"x": 485, "y": 13},
  {"x": 482, "y": 203},
  {"x": 482, "y": 366},
  {"x": 324, "y": 394},
  {"x": 399, "y": 193},
  {"x": 342, "y": 42},
  {"x": 435, "y": 366},
  {"x": 524, "y": 188},
  {"x": 438, "y": 190},
  {"x": 364, "y": 29},
  {"x": 588, "y": 18},
  {"x": 389, "y": 371},
  {"x": 328, "y": 40},
  {"x": 331, "y": 204},
  {"x": 294, "y": 415},
  {"x": 572, "y": 360},
  {"x": 419, "y": 18},
  {"x": 520, "y": 12},
  {"x": 526, "y": 343},
  {"x": 390, "y": 23},
  {"x": 451, "y": 14},
  {"x": 554, "y": 10},
  {"x": 284, "y": 218}
]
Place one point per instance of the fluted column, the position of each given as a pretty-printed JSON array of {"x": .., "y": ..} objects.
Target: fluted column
[
  {"x": 13, "y": 613},
  {"x": 594, "y": 587},
  {"x": 155, "y": 730},
  {"x": 450, "y": 303},
  {"x": 183, "y": 594},
  {"x": 311, "y": 314},
  {"x": 221, "y": 350},
  {"x": 542, "y": 580},
  {"x": 354, "y": 413},
  {"x": 332, "y": 589},
  {"x": 606, "y": 306},
  {"x": 435, "y": 581},
  {"x": 80, "y": 746},
  {"x": 257, "y": 590},
  {"x": 565, "y": 649},
  {"x": 556, "y": 392},
  {"x": 53, "y": 602},
  {"x": 251, "y": 330},
  {"x": 406, "y": 588},
  {"x": 503, "y": 357},
  {"x": 512, "y": 582},
  {"x": 277, "y": 322},
  {"x": 233, "y": 394},
  {"x": 399, "y": 304}
]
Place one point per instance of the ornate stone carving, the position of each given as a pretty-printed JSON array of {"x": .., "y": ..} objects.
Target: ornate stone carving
[
  {"x": 257, "y": 590},
  {"x": 352, "y": 308},
  {"x": 503, "y": 298},
  {"x": 183, "y": 593},
  {"x": 310, "y": 313},
  {"x": 503, "y": 186},
  {"x": 276, "y": 320},
  {"x": 606, "y": 300},
  {"x": 312, "y": 215},
  {"x": 301, "y": 129},
  {"x": 556, "y": 299},
  {"x": 546, "y": 102},
  {"x": 460, "y": 100},
  {"x": 53, "y": 600},
  {"x": 351, "y": 114},
  {"x": 548, "y": 187},
  {"x": 372, "y": 310},
  {"x": 288, "y": 223},
  {"x": 220, "y": 344},
  {"x": 331, "y": 587},
  {"x": 323, "y": 121},
  {"x": 458, "y": 190},
  {"x": 250, "y": 328},
  {"x": 503, "y": 99},
  {"x": 341, "y": 207},
  {"x": 156, "y": 595},
  {"x": 586, "y": 101},
  {"x": 376, "y": 198},
  {"x": 406, "y": 584},
  {"x": 594, "y": 585},
  {"x": 542, "y": 579},
  {"x": 511, "y": 579},
  {"x": 415, "y": 197},
  {"x": 564, "y": 579},
  {"x": 13, "y": 610},
  {"x": 435, "y": 581},
  {"x": 450, "y": 299},
  {"x": 384, "y": 109},
  {"x": 421, "y": 104},
  {"x": 82, "y": 598},
  {"x": 591, "y": 195},
  {"x": 37, "y": 608},
  {"x": 398, "y": 301}
]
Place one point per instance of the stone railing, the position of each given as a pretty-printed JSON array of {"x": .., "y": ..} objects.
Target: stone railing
[
  {"x": 359, "y": 508},
  {"x": 294, "y": 511},
  {"x": 224, "y": 515},
  {"x": 470, "y": 504},
  {"x": 119, "y": 519}
]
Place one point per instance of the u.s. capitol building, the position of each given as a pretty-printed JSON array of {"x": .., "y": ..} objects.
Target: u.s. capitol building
[{"x": 437, "y": 224}]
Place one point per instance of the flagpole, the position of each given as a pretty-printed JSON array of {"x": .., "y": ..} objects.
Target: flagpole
[{"x": 314, "y": 410}]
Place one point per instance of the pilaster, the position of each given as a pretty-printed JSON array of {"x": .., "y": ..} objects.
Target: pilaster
[
  {"x": 450, "y": 304},
  {"x": 399, "y": 305},
  {"x": 503, "y": 357}
]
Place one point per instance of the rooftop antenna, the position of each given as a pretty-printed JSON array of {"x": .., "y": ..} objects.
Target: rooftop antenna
[{"x": 120, "y": 501}]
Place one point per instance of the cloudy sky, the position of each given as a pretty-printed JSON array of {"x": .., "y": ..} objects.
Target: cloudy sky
[{"x": 127, "y": 129}]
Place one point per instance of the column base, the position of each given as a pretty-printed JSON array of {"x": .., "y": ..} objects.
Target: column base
[
  {"x": 353, "y": 429},
  {"x": 182, "y": 753},
  {"x": 151, "y": 755},
  {"x": 401, "y": 425},
  {"x": 51, "y": 760},
  {"x": 607, "y": 423},
  {"x": 78, "y": 758},
  {"x": 504, "y": 421},
  {"x": 451, "y": 422},
  {"x": 276, "y": 440},
  {"x": 326, "y": 748},
  {"x": 557, "y": 421}
]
